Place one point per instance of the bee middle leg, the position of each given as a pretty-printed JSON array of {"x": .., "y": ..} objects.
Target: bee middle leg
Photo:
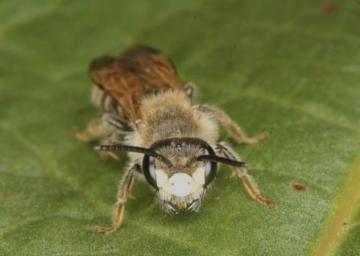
[
  {"x": 96, "y": 129},
  {"x": 123, "y": 193},
  {"x": 232, "y": 127},
  {"x": 101, "y": 127},
  {"x": 108, "y": 128},
  {"x": 247, "y": 180}
]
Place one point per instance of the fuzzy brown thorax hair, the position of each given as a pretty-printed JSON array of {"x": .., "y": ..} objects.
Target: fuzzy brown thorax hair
[{"x": 171, "y": 114}]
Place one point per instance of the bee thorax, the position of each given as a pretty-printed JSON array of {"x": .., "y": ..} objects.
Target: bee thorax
[{"x": 171, "y": 114}]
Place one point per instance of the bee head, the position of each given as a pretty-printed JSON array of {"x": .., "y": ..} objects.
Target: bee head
[
  {"x": 181, "y": 181},
  {"x": 180, "y": 169}
]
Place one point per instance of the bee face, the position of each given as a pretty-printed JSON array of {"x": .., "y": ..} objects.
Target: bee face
[
  {"x": 181, "y": 185},
  {"x": 180, "y": 191}
]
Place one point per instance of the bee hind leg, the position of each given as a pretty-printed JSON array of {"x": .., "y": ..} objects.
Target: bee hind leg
[
  {"x": 232, "y": 127},
  {"x": 247, "y": 180},
  {"x": 97, "y": 128},
  {"x": 123, "y": 193}
]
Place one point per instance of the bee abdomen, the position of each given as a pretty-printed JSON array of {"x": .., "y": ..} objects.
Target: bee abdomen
[{"x": 104, "y": 101}]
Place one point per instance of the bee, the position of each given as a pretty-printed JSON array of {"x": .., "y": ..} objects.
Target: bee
[{"x": 147, "y": 111}]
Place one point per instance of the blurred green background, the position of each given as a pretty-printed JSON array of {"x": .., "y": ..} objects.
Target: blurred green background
[{"x": 291, "y": 68}]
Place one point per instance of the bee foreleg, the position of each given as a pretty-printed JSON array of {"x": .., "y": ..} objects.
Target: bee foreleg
[
  {"x": 232, "y": 127},
  {"x": 242, "y": 172},
  {"x": 123, "y": 194}
]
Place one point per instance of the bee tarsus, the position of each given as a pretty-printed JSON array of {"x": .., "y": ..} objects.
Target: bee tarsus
[{"x": 124, "y": 193}]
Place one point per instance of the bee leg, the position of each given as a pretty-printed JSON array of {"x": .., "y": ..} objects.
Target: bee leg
[
  {"x": 130, "y": 193},
  {"x": 117, "y": 135},
  {"x": 231, "y": 127},
  {"x": 123, "y": 193},
  {"x": 247, "y": 181},
  {"x": 97, "y": 128}
]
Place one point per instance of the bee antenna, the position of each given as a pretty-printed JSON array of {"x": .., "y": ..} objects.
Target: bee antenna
[
  {"x": 223, "y": 160},
  {"x": 135, "y": 149}
]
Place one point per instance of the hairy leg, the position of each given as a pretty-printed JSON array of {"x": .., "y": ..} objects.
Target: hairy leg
[
  {"x": 101, "y": 127},
  {"x": 232, "y": 127},
  {"x": 123, "y": 194},
  {"x": 247, "y": 181},
  {"x": 97, "y": 128},
  {"x": 108, "y": 128}
]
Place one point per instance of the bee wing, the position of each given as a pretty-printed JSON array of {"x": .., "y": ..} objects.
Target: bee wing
[{"x": 137, "y": 72}]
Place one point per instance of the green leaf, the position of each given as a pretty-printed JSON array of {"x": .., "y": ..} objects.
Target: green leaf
[{"x": 287, "y": 67}]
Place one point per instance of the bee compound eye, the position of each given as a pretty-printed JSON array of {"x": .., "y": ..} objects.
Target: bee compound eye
[
  {"x": 149, "y": 170},
  {"x": 207, "y": 168},
  {"x": 210, "y": 172},
  {"x": 210, "y": 167}
]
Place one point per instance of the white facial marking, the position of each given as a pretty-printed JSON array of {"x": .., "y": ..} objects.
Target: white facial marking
[
  {"x": 199, "y": 176},
  {"x": 180, "y": 184},
  {"x": 161, "y": 178}
]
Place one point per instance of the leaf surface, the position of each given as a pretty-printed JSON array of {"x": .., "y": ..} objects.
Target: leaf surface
[{"x": 289, "y": 68}]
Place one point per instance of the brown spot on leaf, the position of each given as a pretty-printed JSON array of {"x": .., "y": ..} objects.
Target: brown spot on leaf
[
  {"x": 299, "y": 186},
  {"x": 270, "y": 203},
  {"x": 7, "y": 197},
  {"x": 329, "y": 8},
  {"x": 316, "y": 71}
]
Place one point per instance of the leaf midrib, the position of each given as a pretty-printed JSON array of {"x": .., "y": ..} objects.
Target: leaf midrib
[{"x": 342, "y": 211}]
